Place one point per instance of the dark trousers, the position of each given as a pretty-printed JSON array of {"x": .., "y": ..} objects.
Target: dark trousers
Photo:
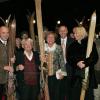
[
  {"x": 54, "y": 88},
  {"x": 76, "y": 90},
  {"x": 65, "y": 88},
  {"x": 27, "y": 92},
  {"x": 2, "y": 91}
]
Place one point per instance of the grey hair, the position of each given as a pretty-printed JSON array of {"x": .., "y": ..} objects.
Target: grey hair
[{"x": 29, "y": 40}]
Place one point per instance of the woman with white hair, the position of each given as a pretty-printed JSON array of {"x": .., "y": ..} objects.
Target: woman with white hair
[
  {"x": 27, "y": 72},
  {"x": 55, "y": 66},
  {"x": 76, "y": 56}
]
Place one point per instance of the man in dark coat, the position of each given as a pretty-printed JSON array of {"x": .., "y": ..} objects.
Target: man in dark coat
[{"x": 64, "y": 40}]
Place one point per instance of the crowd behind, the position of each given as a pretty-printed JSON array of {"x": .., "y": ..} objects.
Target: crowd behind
[{"x": 65, "y": 58}]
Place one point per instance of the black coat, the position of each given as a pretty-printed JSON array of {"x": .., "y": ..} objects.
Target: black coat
[
  {"x": 68, "y": 42},
  {"x": 77, "y": 52}
]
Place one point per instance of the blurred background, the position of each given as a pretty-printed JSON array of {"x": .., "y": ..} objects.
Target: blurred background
[{"x": 53, "y": 12}]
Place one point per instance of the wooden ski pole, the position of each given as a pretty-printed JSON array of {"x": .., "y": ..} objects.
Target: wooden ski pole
[
  {"x": 41, "y": 44},
  {"x": 31, "y": 28},
  {"x": 11, "y": 43},
  {"x": 85, "y": 81}
]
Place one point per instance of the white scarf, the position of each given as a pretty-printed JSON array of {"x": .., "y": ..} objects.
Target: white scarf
[
  {"x": 4, "y": 42},
  {"x": 50, "y": 49},
  {"x": 29, "y": 56}
]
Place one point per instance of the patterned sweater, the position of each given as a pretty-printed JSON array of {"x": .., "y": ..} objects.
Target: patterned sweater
[{"x": 58, "y": 59}]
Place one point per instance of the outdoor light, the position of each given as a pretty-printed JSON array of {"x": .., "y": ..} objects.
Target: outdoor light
[
  {"x": 6, "y": 21},
  {"x": 81, "y": 23},
  {"x": 34, "y": 21},
  {"x": 58, "y": 22}
]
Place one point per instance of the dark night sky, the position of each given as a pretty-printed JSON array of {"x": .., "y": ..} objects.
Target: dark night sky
[{"x": 52, "y": 10}]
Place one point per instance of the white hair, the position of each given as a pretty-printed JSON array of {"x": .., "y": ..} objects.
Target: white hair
[{"x": 29, "y": 40}]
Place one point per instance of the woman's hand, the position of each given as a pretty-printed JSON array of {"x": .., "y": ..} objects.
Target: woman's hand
[
  {"x": 81, "y": 64},
  {"x": 20, "y": 67}
]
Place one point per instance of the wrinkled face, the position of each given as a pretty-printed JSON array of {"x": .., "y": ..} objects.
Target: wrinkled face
[
  {"x": 50, "y": 39},
  {"x": 4, "y": 33},
  {"x": 28, "y": 46},
  {"x": 63, "y": 31}
]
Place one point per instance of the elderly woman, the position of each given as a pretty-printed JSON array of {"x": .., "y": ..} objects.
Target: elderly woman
[
  {"x": 27, "y": 72},
  {"x": 76, "y": 56},
  {"x": 55, "y": 65}
]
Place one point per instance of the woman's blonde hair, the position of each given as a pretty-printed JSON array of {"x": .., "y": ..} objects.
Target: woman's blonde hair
[
  {"x": 81, "y": 30},
  {"x": 27, "y": 40}
]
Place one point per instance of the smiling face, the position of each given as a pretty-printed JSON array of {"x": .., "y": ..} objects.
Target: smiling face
[
  {"x": 63, "y": 31},
  {"x": 28, "y": 45},
  {"x": 4, "y": 33},
  {"x": 80, "y": 33},
  {"x": 50, "y": 38}
]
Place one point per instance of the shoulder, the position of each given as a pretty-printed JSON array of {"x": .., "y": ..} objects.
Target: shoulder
[
  {"x": 70, "y": 39},
  {"x": 73, "y": 43},
  {"x": 58, "y": 49},
  {"x": 36, "y": 53},
  {"x": 58, "y": 41},
  {"x": 72, "y": 46},
  {"x": 36, "y": 57},
  {"x": 58, "y": 46},
  {"x": 19, "y": 52}
]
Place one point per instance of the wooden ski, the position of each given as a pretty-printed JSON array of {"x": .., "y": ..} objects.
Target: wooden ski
[
  {"x": 31, "y": 28},
  {"x": 11, "y": 95},
  {"x": 41, "y": 44},
  {"x": 85, "y": 81}
]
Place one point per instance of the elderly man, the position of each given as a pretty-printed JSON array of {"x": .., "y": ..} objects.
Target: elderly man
[{"x": 4, "y": 65}]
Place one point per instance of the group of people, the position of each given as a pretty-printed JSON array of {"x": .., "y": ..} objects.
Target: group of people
[{"x": 66, "y": 61}]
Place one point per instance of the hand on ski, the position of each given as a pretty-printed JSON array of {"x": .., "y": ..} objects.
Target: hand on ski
[{"x": 8, "y": 68}]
